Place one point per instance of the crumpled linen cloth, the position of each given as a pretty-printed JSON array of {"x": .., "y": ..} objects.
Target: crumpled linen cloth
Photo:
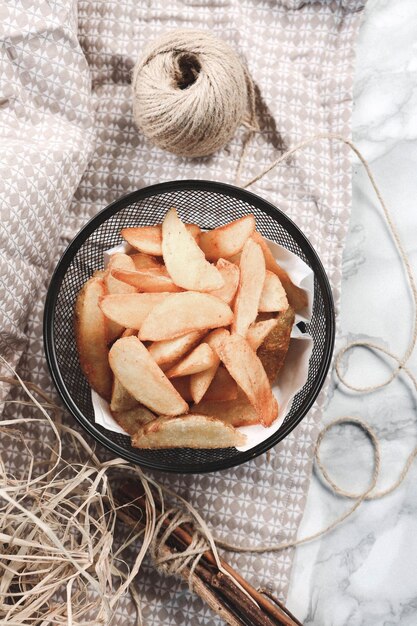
[{"x": 69, "y": 147}]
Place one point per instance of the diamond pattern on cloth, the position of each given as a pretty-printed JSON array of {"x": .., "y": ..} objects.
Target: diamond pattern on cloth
[
  {"x": 46, "y": 137},
  {"x": 65, "y": 106}
]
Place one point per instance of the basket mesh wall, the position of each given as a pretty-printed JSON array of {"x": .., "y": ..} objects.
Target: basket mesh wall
[{"x": 208, "y": 205}]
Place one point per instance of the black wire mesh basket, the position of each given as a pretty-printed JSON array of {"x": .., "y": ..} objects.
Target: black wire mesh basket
[{"x": 208, "y": 204}]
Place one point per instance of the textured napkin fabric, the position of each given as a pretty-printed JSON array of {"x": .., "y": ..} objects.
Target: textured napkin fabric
[{"x": 69, "y": 147}]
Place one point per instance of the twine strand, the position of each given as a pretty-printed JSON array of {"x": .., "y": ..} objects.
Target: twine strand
[
  {"x": 369, "y": 431},
  {"x": 175, "y": 563}
]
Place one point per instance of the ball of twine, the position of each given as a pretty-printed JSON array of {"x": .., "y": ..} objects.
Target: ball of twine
[{"x": 191, "y": 91}]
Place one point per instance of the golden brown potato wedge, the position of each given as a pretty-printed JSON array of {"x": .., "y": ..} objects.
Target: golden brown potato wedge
[
  {"x": 113, "y": 331},
  {"x": 237, "y": 412},
  {"x": 148, "y": 239},
  {"x": 129, "y": 332},
  {"x": 184, "y": 259},
  {"x": 167, "y": 366},
  {"x": 273, "y": 297},
  {"x": 258, "y": 331},
  {"x": 252, "y": 278},
  {"x": 247, "y": 370},
  {"x": 200, "y": 382},
  {"x": 121, "y": 400},
  {"x": 227, "y": 240},
  {"x": 182, "y": 385},
  {"x": 136, "y": 370},
  {"x": 199, "y": 359},
  {"x": 222, "y": 387},
  {"x": 151, "y": 280},
  {"x": 182, "y": 313},
  {"x": 99, "y": 274},
  {"x": 91, "y": 337},
  {"x": 123, "y": 262},
  {"x": 230, "y": 274},
  {"x": 235, "y": 259},
  {"x": 275, "y": 346},
  {"x": 187, "y": 431},
  {"x": 114, "y": 286},
  {"x": 297, "y": 297},
  {"x": 131, "y": 420},
  {"x": 144, "y": 261},
  {"x": 131, "y": 309},
  {"x": 173, "y": 349}
]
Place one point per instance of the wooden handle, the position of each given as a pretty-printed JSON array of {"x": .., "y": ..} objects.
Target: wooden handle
[{"x": 222, "y": 593}]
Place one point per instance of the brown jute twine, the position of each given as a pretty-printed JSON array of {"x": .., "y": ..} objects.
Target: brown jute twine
[{"x": 368, "y": 493}]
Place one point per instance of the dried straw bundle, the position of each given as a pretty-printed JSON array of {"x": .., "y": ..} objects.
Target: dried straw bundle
[
  {"x": 58, "y": 555},
  {"x": 58, "y": 561}
]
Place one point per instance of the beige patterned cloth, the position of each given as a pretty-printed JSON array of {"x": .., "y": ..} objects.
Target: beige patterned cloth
[{"x": 69, "y": 147}]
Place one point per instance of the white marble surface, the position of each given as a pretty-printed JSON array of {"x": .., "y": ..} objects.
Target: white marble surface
[{"x": 365, "y": 572}]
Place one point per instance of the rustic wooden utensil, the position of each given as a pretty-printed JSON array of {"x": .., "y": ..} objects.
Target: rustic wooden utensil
[{"x": 236, "y": 601}]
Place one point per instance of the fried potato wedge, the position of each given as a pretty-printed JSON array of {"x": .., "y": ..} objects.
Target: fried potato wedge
[
  {"x": 201, "y": 358},
  {"x": 235, "y": 259},
  {"x": 187, "y": 431},
  {"x": 252, "y": 278},
  {"x": 275, "y": 346},
  {"x": 129, "y": 332},
  {"x": 222, "y": 387},
  {"x": 173, "y": 349},
  {"x": 144, "y": 261},
  {"x": 123, "y": 262},
  {"x": 297, "y": 297},
  {"x": 148, "y": 239},
  {"x": 273, "y": 297},
  {"x": 182, "y": 313},
  {"x": 133, "y": 419},
  {"x": 91, "y": 337},
  {"x": 131, "y": 309},
  {"x": 200, "y": 382},
  {"x": 237, "y": 412},
  {"x": 121, "y": 400},
  {"x": 167, "y": 366},
  {"x": 114, "y": 286},
  {"x": 230, "y": 274},
  {"x": 184, "y": 259},
  {"x": 113, "y": 331},
  {"x": 227, "y": 240},
  {"x": 99, "y": 274},
  {"x": 182, "y": 385},
  {"x": 247, "y": 370},
  {"x": 136, "y": 370},
  {"x": 258, "y": 331},
  {"x": 151, "y": 280}
]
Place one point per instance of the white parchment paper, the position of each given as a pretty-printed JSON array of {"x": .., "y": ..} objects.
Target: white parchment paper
[{"x": 292, "y": 376}]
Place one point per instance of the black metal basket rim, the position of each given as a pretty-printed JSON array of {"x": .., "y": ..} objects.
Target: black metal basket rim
[{"x": 112, "y": 209}]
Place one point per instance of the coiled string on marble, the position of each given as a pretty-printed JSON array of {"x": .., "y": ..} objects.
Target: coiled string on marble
[{"x": 401, "y": 366}]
